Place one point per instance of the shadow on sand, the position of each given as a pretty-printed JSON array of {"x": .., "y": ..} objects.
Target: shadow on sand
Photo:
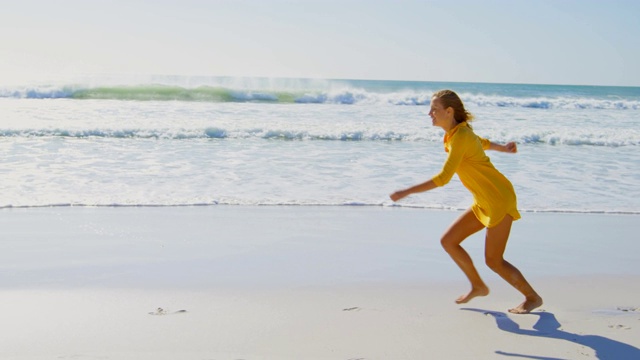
[{"x": 548, "y": 326}]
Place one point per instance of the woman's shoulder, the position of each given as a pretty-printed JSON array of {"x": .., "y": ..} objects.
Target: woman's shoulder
[{"x": 463, "y": 133}]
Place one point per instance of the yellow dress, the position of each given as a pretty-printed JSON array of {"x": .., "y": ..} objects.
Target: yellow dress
[{"x": 493, "y": 193}]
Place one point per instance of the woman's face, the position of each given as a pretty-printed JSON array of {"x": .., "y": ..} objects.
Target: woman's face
[{"x": 439, "y": 115}]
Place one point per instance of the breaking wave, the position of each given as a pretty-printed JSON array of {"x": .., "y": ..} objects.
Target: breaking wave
[
  {"x": 344, "y": 95},
  {"x": 594, "y": 138}
]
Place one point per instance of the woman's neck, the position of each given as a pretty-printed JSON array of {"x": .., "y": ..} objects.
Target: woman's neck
[{"x": 450, "y": 125}]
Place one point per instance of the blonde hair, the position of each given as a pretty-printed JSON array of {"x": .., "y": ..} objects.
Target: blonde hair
[{"x": 448, "y": 98}]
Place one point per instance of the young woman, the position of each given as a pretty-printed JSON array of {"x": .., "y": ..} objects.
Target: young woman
[{"x": 494, "y": 205}]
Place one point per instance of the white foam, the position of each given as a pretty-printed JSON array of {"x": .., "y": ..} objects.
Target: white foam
[{"x": 176, "y": 153}]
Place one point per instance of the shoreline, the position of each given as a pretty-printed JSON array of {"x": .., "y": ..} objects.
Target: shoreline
[
  {"x": 292, "y": 205},
  {"x": 291, "y": 245}
]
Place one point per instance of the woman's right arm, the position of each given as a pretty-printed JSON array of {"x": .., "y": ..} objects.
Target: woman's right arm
[
  {"x": 425, "y": 186},
  {"x": 458, "y": 148}
]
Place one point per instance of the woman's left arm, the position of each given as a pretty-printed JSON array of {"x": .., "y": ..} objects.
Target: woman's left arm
[{"x": 509, "y": 147}]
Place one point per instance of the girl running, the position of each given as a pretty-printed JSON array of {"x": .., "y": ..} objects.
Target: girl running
[{"x": 494, "y": 206}]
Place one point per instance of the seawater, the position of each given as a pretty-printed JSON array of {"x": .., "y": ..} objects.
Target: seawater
[{"x": 180, "y": 141}]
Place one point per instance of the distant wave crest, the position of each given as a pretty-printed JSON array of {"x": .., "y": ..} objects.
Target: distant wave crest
[{"x": 343, "y": 96}]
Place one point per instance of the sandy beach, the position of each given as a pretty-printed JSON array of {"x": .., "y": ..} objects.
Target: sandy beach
[
  {"x": 241, "y": 282},
  {"x": 215, "y": 180}
]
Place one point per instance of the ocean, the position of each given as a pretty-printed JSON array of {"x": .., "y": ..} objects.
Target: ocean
[{"x": 216, "y": 141}]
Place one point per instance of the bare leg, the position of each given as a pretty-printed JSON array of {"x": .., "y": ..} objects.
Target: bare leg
[
  {"x": 495, "y": 244},
  {"x": 466, "y": 225}
]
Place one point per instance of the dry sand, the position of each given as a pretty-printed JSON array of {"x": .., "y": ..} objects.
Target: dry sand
[{"x": 306, "y": 283}]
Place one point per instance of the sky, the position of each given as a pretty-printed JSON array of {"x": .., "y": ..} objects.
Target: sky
[{"x": 578, "y": 42}]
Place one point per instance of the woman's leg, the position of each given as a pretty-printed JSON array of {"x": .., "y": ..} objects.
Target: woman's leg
[
  {"x": 495, "y": 244},
  {"x": 467, "y": 224}
]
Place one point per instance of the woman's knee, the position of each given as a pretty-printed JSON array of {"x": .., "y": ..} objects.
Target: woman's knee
[
  {"x": 494, "y": 263},
  {"x": 466, "y": 225},
  {"x": 448, "y": 243},
  {"x": 451, "y": 240}
]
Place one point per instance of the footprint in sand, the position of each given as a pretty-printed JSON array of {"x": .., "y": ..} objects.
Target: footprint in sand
[
  {"x": 161, "y": 311},
  {"x": 352, "y": 309},
  {"x": 628, "y": 309},
  {"x": 623, "y": 327}
]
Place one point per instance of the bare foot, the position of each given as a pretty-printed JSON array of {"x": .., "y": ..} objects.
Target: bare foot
[
  {"x": 475, "y": 291},
  {"x": 529, "y": 304}
]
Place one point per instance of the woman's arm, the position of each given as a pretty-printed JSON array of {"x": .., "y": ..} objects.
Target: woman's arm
[
  {"x": 459, "y": 145},
  {"x": 441, "y": 179},
  {"x": 508, "y": 147},
  {"x": 425, "y": 186}
]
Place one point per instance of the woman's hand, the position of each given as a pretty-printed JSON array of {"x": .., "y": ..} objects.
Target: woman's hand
[
  {"x": 425, "y": 186},
  {"x": 511, "y": 147},
  {"x": 398, "y": 195}
]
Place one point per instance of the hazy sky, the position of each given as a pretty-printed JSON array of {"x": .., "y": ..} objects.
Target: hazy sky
[{"x": 536, "y": 41}]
